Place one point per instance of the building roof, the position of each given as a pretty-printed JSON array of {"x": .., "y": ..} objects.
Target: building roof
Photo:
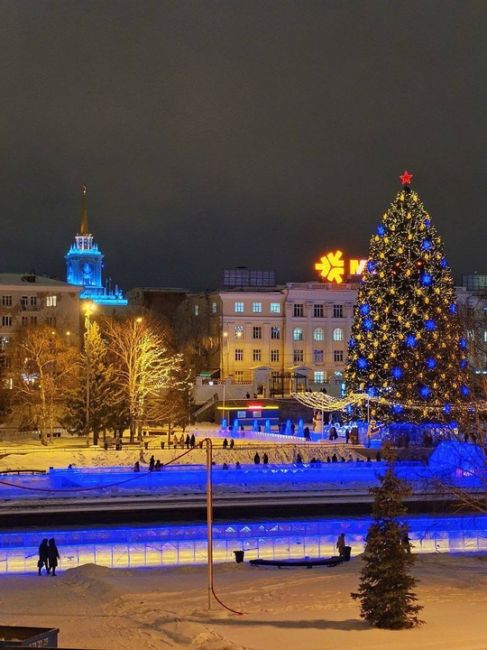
[{"x": 33, "y": 280}]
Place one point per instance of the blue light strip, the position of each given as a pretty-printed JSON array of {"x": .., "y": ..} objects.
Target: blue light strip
[{"x": 141, "y": 546}]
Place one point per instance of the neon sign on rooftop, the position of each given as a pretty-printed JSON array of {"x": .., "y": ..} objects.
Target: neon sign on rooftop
[{"x": 333, "y": 267}]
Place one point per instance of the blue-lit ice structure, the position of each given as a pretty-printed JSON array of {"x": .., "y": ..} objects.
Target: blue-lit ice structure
[
  {"x": 170, "y": 545},
  {"x": 459, "y": 462}
]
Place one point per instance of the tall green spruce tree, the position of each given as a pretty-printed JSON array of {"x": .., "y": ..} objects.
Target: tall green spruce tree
[
  {"x": 386, "y": 588},
  {"x": 406, "y": 345},
  {"x": 95, "y": 367}
]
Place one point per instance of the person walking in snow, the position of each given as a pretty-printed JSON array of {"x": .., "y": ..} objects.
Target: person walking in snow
[
  {"x": 52, "y": 555},
  {"x": 43, "y": 556}
]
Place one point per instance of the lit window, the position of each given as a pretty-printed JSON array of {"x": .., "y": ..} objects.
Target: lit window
[
  {"x": 4, "y": 342},
  {"x": 274, "y": 355},
  {"x": 337, "y": 311},
  {"x": 239, "y": 307},
  {"x": 319, "y": 334},
  {"x": 485, "y": 336},
  {"x": 6, "y": 321},
  {"x": 298, "y": 310},
  {"x": 51, "y": 301},
  {"x": 338, "y": 334},
  {"x": 257, "y": 307},
  {"x": 298, "y": 356},
  {"x": 257, "y": 332},
  {"x": 239, "y": 331},
  {"x": 214, "y": 308},
  {"x": 275, "y": 308},
  {"x": 298, "y": 334},
  {"x": 318, "y": 356},
  {"x": 257, "y": 355},
  {"x": 338, "y": 356},
  {"x": 6, "y": 301},
  {"x": 319, "y": 376},
  {"x": 238, "y": 354},
  {"x": 196, "y": 310},
  {"x": 275, "y": 333},
  {"x": 318, "y": 311},
  {"x": 239, "y": 375},
  {"x": 24, "y": 301}
]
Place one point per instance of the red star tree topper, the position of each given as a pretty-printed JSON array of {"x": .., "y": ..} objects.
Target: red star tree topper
[{"x": 406, "y": 177}]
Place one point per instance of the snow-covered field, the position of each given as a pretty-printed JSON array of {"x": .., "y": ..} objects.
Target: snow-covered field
[{"x": 295, "y": 609}]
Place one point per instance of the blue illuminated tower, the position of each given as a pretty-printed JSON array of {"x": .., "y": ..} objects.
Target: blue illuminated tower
[{"x": 84, "y": 264}]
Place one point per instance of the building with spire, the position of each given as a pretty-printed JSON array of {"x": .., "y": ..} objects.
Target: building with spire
[{"x": 84, "y": 265}]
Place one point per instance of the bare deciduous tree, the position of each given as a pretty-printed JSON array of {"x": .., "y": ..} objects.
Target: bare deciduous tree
[
  {"x": 143, "y": 366},
  {"x": 45, "y": 367}
]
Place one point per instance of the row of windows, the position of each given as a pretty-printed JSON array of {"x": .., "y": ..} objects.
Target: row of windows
[
  {"x": 319, "y": 376},
  {"x": 298, "y": 355},
  {"x": 298, "y": 309},
  {"x": 318, "y": 334},
  {"x": 318, "y": 311},
  {"x": 298, "y": 333},
  {"x": 28, "y": 301},
  {"x": 274, "y": 307},
  {"x": 7, "y": 321}
]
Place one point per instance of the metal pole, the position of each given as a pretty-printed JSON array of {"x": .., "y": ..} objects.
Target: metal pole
[
  {"x": 88, "y": 377},
  {"x": 209, "y": 515},
  {"x": 322, "y": 418}
]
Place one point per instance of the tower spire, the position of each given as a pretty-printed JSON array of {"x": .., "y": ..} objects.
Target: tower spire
[{"x": 84, "y": 212}]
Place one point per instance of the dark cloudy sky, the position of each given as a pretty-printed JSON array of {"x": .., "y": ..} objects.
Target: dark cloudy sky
[{"x": 237, "y": 132}]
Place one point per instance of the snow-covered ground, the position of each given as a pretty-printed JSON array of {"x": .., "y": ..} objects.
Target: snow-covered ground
[{"x": 295, "y": 609}]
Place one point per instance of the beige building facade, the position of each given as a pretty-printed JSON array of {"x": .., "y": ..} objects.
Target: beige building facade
[
  {"x": 27, "y": 300},
  {"x": 288, "y": 337}
]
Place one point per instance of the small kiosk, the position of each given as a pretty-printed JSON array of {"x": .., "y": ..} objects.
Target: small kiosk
[{"x": 250, "y": 412}]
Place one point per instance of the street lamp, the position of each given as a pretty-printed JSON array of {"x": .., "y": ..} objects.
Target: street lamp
[
  {"x": 88, "y": 309},
  {"x": 225, "y": 338}
]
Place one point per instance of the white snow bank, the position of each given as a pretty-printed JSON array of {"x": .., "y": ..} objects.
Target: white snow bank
[{"x": 300, "y": 609}]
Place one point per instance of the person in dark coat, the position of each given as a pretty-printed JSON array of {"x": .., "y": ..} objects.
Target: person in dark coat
[
  {"x": 299, "y": 459},
  {"x": 152, "y": 464},
  {"x": 341, "y": 544},
  {"x": 225, "y": 443},
  {"x": 192, "y": 441},
  {"x": 52, "y": 555},
  {"x": 265, "y": 459},
  {"x": 232, "y": 443},
  {"x": 257, "y": 458},
  {"x": 43, "y": 556},
  {"x": 136, "y": 466},
  {"x": 187, "y": 441}
]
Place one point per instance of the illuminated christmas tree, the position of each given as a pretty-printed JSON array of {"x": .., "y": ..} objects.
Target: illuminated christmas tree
[{"x": 406, "y": 344}]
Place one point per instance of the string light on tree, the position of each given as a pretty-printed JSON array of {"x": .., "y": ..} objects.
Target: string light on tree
[{"x": 406, "y": 346}]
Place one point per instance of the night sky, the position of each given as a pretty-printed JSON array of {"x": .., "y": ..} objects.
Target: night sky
[{"x": 214, "y": 134}]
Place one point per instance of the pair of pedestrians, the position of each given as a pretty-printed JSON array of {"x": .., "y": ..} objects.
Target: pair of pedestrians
[{"x": 48, "y": 556}]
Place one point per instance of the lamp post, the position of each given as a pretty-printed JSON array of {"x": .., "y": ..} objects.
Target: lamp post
[
  {"x": 88, "y": 309},
  {"x": 225, "y": 339}
]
